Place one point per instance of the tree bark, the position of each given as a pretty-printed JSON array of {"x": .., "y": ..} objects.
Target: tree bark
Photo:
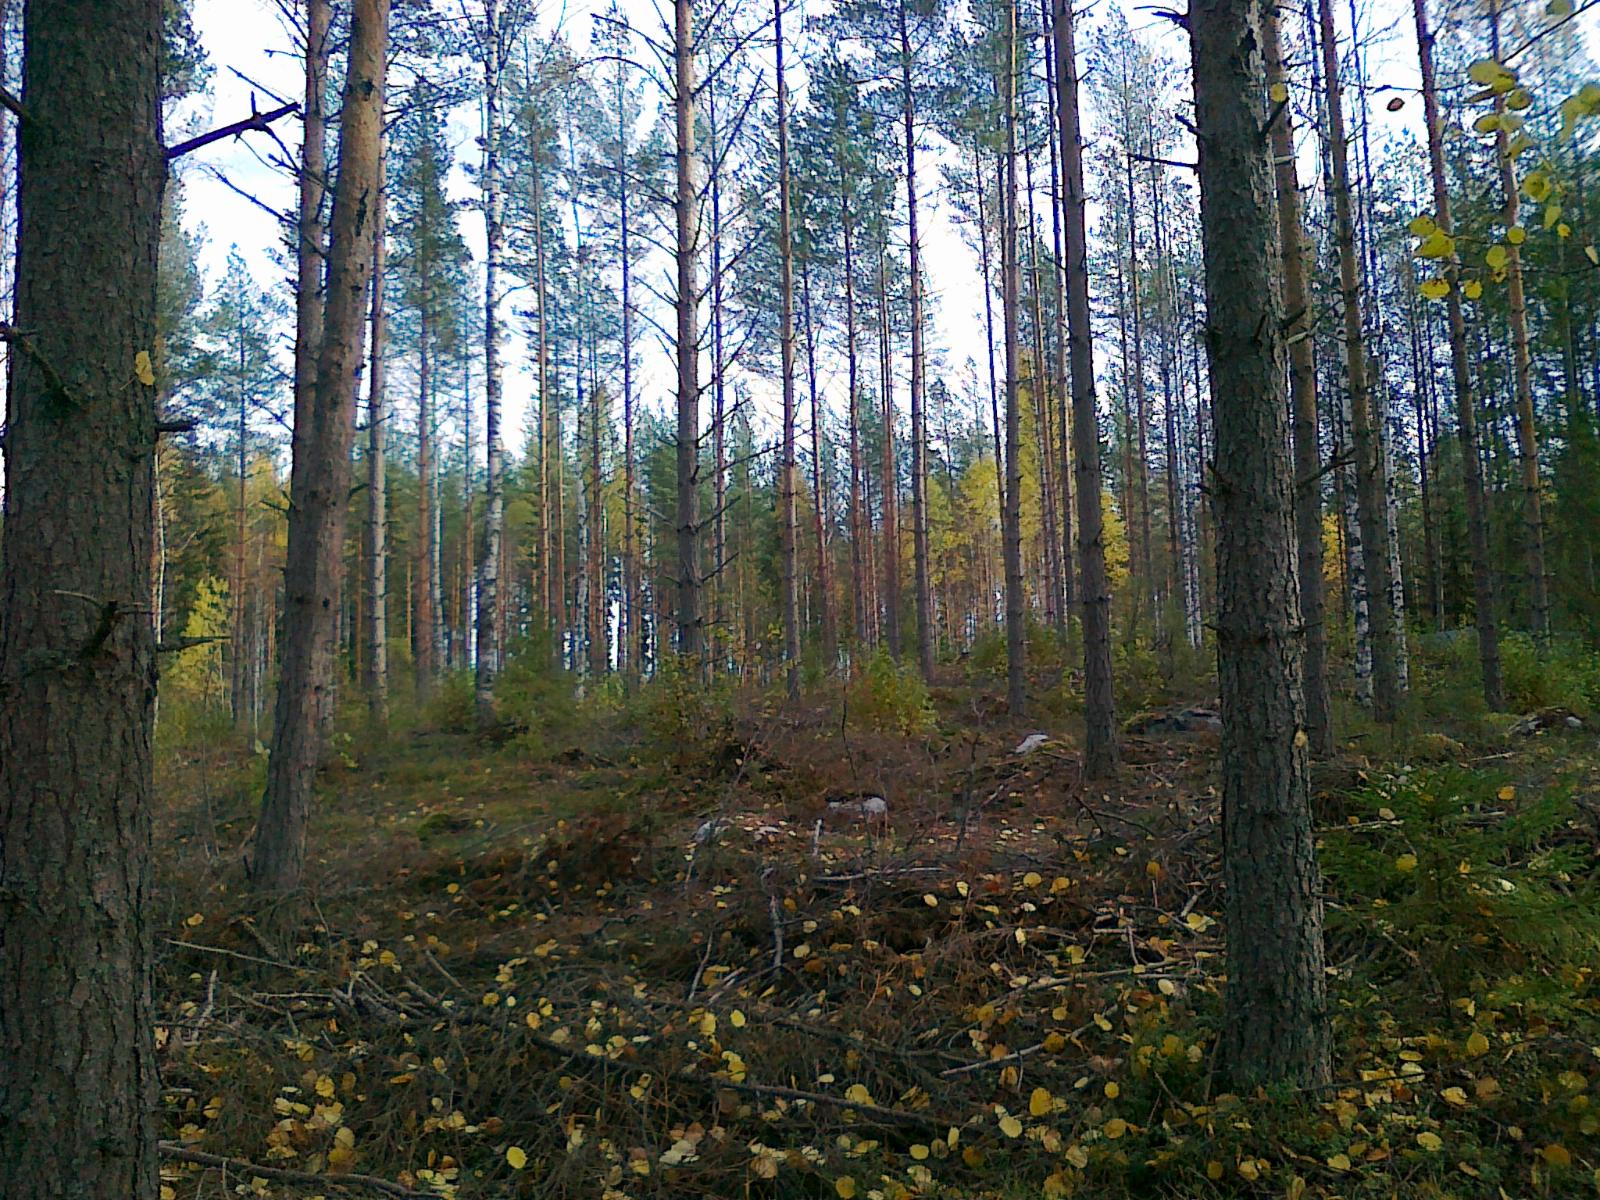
[
  {"x": 1466, "y": 413},
  {"x": 377, "y": 524},
  {"x": 787, "y": 471},
  {"x": 1370, "y": 492},
  {"x": 687, "y": 250},
  {"x": 311, "y": 235},
  {"x": 889, "y": 467},
  {"x": 1275, "y": 1026},
  {"x": 320, "y": 477},
  {"x": 822, "y": 493},
  {"x": 922, "y": 581},
  {"x": 77, "y": 664},
  {"x": 1016, "y": 677},
  {"x": 1099, "y": 715},
  {"x": 488, "y": 623},
  {"x": 1303, "y": 403}
]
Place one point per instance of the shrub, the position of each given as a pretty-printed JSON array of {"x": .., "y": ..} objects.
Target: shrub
[{"x": 890, "y": 698}]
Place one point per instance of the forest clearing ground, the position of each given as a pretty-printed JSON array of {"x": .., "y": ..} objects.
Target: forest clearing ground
[{"x": 523, "y": 974}]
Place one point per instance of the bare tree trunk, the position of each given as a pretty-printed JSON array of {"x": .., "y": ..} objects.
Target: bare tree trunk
[
  {"x": 630, "y": 652},
  {"x": 687, "y": 212},
  {"x": 821, "y": 492},
  {"x": 78, "y": 1073},
  {"x": 1466, "y": 413},
  {"x": 377, "y": 547},
  {"x": 1303, "y": 400},
  {"x": 1517, "y": 304},
  {"x": 860, "y": 566},
  {"x": 311, "y": 235},
  {"x": 1058, "y": 375},
  {"x": 890, "y": 469},
  {"x": 550, "y": 589},
  {"x": 988, "y": 328},
  {"x": 1016, "y": 677},
  {"x": 488, "y": 623},
  {"x": 425, "y": 637},
  {"x": 1140, "y": 450},
  {"x": 919, "y": 367},
  {"x": 1051, "y": 584},
  {"x": 718, "y": 637},
  {"x": 1370, "y": 499},
  {"x": 1099, "y": 716},
  {"x": 238, "y": 692},
  {"x": 788, "y": 474},
  {"x": 320, "y": 480},
  {"x": 1276, "y": 1026}
]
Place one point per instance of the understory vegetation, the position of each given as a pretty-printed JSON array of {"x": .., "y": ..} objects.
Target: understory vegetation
[{"x": 623, "y": 948}]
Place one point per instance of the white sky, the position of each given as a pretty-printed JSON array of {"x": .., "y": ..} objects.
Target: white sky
[{"x": 246, "y": 37}]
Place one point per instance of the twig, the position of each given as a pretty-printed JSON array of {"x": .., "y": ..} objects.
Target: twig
[
  {"x": 266, "y": 962},
  {"x": 244, "y": 1166}
]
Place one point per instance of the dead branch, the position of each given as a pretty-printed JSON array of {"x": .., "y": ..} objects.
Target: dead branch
[
  {"x": 259, "y": 122},
  {"x": 243, "y": 1166}
]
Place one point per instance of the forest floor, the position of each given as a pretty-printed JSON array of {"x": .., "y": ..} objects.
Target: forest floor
[{"x": 625, "y": 960}]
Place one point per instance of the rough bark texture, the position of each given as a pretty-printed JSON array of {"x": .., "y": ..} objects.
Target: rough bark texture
[
  {"x": 687, "y": 251},
  {"x": 1011, "y": 521},
  {"x": 319, "y": 485},
  {"x": 77, "y": 663},
  {"x": 788, "y": 473},
  {"x": 1099, "y": 713},
  {"x": 488, "y": 624},
  {"x": 1371, "y": 504},
  {"x": 376, "y": 679},
  {"x": 312, "y": 235},
  {"x": 1466, "y": 414},
  {"x": 919, "y": 367},
  {"x": 1275, "y": 1026},
  {"x": 1303, "y": 403}
]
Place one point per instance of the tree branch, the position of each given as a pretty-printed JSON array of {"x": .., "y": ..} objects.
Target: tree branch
[
  {"x": 8, "y": 101},
  {"x": 256, "y": 121},
  {"x": 179, "y": 1153}
]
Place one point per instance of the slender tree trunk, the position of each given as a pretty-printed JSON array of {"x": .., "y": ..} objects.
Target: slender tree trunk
[
  {"x": 1058, "y": 375},
  {"x": 1303, "y": 401},
  {"x": 311, "y": 234},
  {"x": 78, "y": 1067},
  {"x": 488, "y": 623},
  {"x": 788, "y": 473},
  {"x": 1016, "y": 677},
  {"x": 1051, "y": 584},
  {"x": 1276, "y": 1024},
  {"x": 988, "y": 328},
  {"x": 919, "y": 366},
  {"x": 821, "y": 491},
  {"x": 1370, "y": 499},
  {"x": 1466, "y": 415},
  {"x": 687, "y": 213},
  {"x": 376, "y": 681},
  {"x": 1099, "y": 716},
  {"x": 320, "y": 481},
  {"x": 718, "y": 638},
  {"x": 1517, "y": 306},
  {"x": 238, "y": 640},
  {"x": 1140, "y": 450},
  {"x": 630, "y": 653},
  {"x": 1164, "y": 314},
  {"x": 891, "y": 474},
  {"x": 425, "y": 638},
  {"x": 860, "y": 567},
  {"x": 548, "y": 595}
]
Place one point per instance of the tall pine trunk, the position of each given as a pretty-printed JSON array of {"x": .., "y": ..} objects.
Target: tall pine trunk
[
  {"x": 922, "y": 581},
  {"x": 1099, "y": 714},
  {"x": 319, "y": 486},
  {"x": 1275, "y": 1026},
  {"x": 686, "y": 212},
  {"x": 788, "y": 475},
  {"x": 1016, "y": 677},
  {"x": 376, "y": 681},
  {"x": 77, "y": 665},
  {"x": 1303, "y": 403}
]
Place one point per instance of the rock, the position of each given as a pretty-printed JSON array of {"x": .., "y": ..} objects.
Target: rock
[
  {"x": 1546, "y": 719},
  {"x": 1178, "y": 720}
]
